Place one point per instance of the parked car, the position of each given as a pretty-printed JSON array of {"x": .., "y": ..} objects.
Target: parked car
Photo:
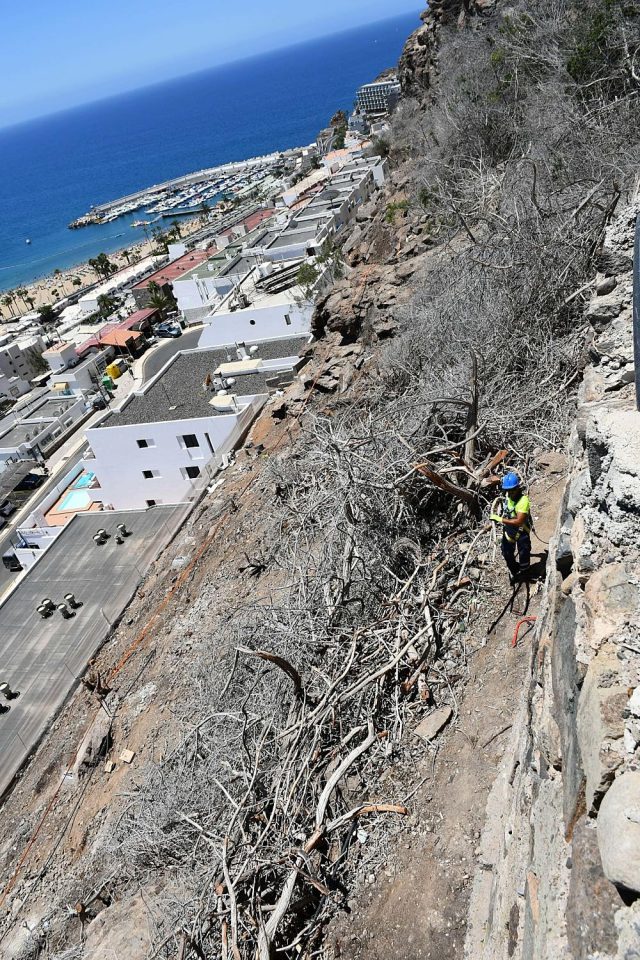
[
  {"x": 167, "y": 330},
  {"x": 6, "y": 508},
  {"x": 31, "y": 482}
]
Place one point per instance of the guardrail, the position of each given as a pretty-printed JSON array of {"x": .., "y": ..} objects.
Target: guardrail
[{"x": 636, "y": 310}]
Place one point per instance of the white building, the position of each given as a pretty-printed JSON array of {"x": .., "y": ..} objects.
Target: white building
[
  {"x": 21, "y": 358},
  {"x": 379, "y": 97},
  {"x": 13, "y": 387},
  {"x": 268, "y": 304},
  {"x": 200, "y": 290},
  {"x": 38, "y": 427},
  {"x": 86, "y": 374},
  {"x": 118, "y": 283},
  {"x": 185, "y": 420},
  {"x": 59, "y": 356}
]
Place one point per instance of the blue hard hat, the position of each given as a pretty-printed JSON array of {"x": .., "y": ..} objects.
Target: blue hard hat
[{"x": 510, "y": 481}]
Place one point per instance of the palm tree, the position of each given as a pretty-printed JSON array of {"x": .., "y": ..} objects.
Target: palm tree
[
  {"x": 76, "y": 282},
  {"x": 31, "y": 302},
  {"x": 107, "y": 304},
  {"x": 126, "y": 255},
  {"x": 21, "y": 292},
  {"x": 158, "y": 299},
  {"x": 103, "y": 266},
  {"x": 58, "y": 273},
  {"x": 7, "y": 301}
]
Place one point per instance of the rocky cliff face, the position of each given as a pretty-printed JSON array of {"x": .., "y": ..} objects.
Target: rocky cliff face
[
  {"x": 417, "y": 65},
  {"x": 559, "y": 872}
]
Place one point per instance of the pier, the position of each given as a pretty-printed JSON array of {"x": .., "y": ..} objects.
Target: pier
[{"x": 104, "y": 212}]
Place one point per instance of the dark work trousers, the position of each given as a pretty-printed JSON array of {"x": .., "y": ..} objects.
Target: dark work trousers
[{"x": 523, "y": 547}]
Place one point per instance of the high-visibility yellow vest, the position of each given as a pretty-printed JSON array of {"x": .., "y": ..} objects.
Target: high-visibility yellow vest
[{"x": 511, "y": 510}]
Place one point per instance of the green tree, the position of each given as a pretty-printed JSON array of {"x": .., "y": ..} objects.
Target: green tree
[
  {"x": 176, "y": 229},
  {"x": 76, "y": 282},
  {"x": 103, "y": 266},
  {"x": 158, "y": 299},
  {"x": 37, "y": 361},
  {"x": 22, "y": 293},
  {"x": 107, "y": 303},
  {"x": 306, "y": 278},
  {"x": 31, "y": 302},
  {"x": 7, "y": 302},
  {"x": 162, "y": 241},
  {"x": 48, "y": 315}
]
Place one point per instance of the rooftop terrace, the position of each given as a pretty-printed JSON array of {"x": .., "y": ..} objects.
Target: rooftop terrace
[{"x": 179, "y": 392}]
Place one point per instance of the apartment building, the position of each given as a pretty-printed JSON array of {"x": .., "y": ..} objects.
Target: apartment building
[{"x": 177, "y": 430}]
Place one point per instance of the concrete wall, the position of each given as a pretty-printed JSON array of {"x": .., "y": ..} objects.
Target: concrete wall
[
  {"x": 559, "y": 873},
  {"x": 261, "y": 323},
  {"x": 119, "y": 461}
]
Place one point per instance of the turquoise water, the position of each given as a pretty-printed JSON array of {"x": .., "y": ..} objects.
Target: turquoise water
[
  {"x": 52, "y": 170},
  {"x": 84, "y": 480},
  {"x": 75, "y": 500}
]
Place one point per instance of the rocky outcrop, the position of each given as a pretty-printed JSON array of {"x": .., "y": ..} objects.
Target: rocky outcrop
[
  {"x": 418, "y": 63},
  {"x": 565, "y": 856}
]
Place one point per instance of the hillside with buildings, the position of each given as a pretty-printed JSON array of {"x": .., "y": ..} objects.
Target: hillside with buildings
[{"x": 267, "y": 686}]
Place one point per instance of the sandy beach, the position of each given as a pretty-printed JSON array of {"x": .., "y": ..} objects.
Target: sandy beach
[{"x": 55, "y": 287}]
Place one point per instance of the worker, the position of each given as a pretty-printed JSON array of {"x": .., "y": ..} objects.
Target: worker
[{"x": 516, "y": 523}]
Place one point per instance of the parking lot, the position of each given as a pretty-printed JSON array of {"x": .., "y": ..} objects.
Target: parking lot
[{"x": 43, "y": 659}]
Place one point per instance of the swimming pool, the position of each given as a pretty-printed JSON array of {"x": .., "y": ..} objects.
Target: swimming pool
[
  {"x": 75, "y": 500},
  {"x": 83, "y": 481}
]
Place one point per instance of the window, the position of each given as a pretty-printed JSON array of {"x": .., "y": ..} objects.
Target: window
[
  {"x": 151, "y": 503},
  {"x": 190, "y": 472},
  {"x": 150, "y": 474},
  {"x": 145, "y": 443},
  {"x": 189, "y": 440}
]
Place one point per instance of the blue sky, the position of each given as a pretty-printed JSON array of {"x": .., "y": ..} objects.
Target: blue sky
[{"x": 57, "y": 55}]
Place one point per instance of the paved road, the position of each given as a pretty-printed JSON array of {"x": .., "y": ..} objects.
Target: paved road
[
  {"x": 8, "y": 534},
  {"x": 43, "y": 658},
  {"x": 158, "y": 356}
]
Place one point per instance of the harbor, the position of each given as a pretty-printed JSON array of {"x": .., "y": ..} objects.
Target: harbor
[{"x": 193, "y": 193}]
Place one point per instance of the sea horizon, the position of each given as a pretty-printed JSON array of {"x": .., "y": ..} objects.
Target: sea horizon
[{"x": 102, "y": 150}]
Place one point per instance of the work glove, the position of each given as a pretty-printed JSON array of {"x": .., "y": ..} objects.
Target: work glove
[{"x": 495, "y": 517}]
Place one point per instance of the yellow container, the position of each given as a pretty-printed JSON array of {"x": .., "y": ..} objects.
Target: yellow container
[{"x": 113, "y": 370}]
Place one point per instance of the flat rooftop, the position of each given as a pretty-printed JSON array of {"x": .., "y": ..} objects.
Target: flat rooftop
[
  {"x": 43, "y": 658},
  {"x": 179, "y": 393},
  {"x": 277, "y": 289},
  {"x": 177, "y": 268},
  {"x": 300, "y": 235},
  {"x": 53, "y": 407},
  {"x": 22, "y": 433}
]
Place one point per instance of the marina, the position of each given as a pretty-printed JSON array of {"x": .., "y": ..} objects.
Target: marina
[{"x": 192, "y": 193}]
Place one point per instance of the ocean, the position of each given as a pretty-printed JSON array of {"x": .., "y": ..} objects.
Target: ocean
[{"x": 53, "y": 169}]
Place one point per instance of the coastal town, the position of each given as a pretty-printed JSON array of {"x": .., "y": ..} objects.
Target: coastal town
[{"x": 125, "y": 400}]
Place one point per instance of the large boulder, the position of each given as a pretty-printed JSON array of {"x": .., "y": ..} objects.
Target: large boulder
[
  {"x": 619, "y": 831},
  {"x": 122, "y": 931},
  {"x": 592, "y": 901},
  {"x": 600, "y": 723}
]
